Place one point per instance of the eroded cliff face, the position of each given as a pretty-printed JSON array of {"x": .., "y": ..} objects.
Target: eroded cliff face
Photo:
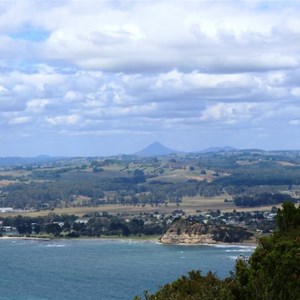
[{"x": 185, "y": 232}]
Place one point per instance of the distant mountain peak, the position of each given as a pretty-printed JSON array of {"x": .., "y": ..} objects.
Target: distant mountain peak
[
  {"x": 157, "y": 144},
  {"x": 155, "y": 149}
]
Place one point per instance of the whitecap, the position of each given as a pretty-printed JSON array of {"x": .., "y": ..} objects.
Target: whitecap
[
  {"x": 55, "y": 245},
  {"x": 233, "y": 257},
  {"x": 240, "y": 250},
  {"x": 225, "y": 246}
]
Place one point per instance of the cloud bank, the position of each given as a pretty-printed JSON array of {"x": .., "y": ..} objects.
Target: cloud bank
[{"x": 104, "y": 77}]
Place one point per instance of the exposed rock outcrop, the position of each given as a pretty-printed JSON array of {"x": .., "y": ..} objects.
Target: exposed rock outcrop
[
  {"x": 186, "y": 232},
  {"x": 191, "y": 232},
  {"x": 185, "y": 238}
]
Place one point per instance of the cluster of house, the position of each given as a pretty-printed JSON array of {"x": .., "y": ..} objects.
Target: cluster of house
[
  {"x": 10, "y": 210},
  {"x": 210, "y": 217},
  {"x": 7, "y": 229}
]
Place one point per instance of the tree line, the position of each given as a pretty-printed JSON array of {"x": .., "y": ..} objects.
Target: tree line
[
  {"x": 262, "y": 199},
  {"x": 69, "y": 226}
]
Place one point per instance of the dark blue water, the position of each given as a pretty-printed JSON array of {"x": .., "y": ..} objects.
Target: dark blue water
[{"x": 102, "y": 269}]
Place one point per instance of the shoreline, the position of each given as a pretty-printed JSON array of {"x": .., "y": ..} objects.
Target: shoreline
[
  {"x": 11, "y": 237},
  {"x": 43, "y": 238},
  {"x": 155, "y": 239},
  {"x": 215, "y": 244}
]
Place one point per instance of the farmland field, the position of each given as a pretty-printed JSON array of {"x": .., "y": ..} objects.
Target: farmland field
[{"x": 191, "y": 183}]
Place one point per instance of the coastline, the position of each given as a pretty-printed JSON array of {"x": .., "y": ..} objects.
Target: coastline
[
  {"x": 201, "y": 239},
  {"x": 155, "y": 239},
  {"x": 247, "y": 243},
  {"x": 11, "y": 237},
  {"x": 43, "y": 238}
]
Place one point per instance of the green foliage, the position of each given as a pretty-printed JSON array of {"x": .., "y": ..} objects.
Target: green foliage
[
  {"x": 193, "y": 287},
  {"x": 69, "y": 226},
  {"x": 272, "y": 272},
  {"x": 262, "y": 199},
  {"x": 261, "y": 174},
  {"x": 288, "y": 218},
  {"x": 231, "y": 234}
]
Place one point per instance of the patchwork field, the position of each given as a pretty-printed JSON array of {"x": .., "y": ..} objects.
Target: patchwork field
[
  {"x": 190, "y": 206},
  {"x": 253, "y": 180}
]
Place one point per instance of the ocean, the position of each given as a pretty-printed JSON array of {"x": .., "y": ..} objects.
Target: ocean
[{"x": 102, "y": 269}]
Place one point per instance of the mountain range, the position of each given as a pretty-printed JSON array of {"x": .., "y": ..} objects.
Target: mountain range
[
  {"x": 154, "y": 149},
  {"x": 16, "y": 160},
  {"x": 158, "y": 149}
]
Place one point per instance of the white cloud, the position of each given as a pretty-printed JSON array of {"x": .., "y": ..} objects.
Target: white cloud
[
  {"x": 296, "y": 92},
  {"x": 158, "y": 67},
  {"x": 63, "y": 120},
  {"x": 3, "y": 90},
  {"x": 159, "y": 35},
  {"x": 19, "y": 120},
  {"x": 73, "y": 96},
  {"x": 228, "y": 112}
]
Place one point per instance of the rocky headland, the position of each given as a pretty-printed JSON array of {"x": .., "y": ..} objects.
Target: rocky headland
[{"x": 190, "y": 232}]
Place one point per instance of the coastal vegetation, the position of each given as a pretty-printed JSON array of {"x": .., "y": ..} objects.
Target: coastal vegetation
[{"x": 272, "y": 271}]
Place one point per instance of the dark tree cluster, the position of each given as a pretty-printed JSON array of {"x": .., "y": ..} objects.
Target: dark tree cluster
[
  {"x": 70, "y": 226},
  {"x": 262, "y": 199}
]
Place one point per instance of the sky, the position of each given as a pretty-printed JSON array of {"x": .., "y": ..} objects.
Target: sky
[{"x": 94, "y": 78}]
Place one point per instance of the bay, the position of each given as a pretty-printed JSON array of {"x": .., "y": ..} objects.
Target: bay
[{"x": 102, "y": 269}]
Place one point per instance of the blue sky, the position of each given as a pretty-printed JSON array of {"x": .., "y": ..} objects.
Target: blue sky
[{"x": 107, "y": 77}]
